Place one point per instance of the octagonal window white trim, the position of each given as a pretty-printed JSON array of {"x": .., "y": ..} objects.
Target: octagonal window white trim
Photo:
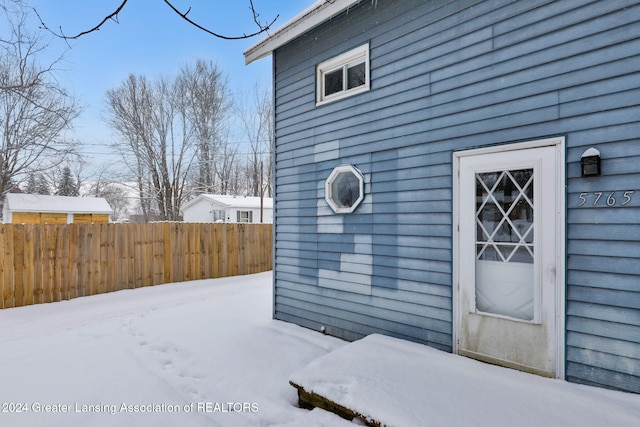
[{"x": 344, "y": 189}]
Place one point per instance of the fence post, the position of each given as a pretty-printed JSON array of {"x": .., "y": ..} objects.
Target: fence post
[
  {"x": 6, "y": 266},
  {"x": 63, "y": 262},
  {"x": 34, "y": 264},
  {"x": 48, "y": 243},
  {"x": 18, "y": 264}
]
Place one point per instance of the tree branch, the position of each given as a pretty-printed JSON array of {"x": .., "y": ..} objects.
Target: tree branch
[
  {"x": 262, "y": 28},
  {"x": 113, "y": 16}
]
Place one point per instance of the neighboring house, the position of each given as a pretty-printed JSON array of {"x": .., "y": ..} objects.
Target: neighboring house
[
  {"x": 464, "y": 174},
  {"x": 40, "y": 209},
  {"x": 217, "y": 208}
]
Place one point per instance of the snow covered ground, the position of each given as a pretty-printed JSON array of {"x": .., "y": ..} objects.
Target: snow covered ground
[
  {"x": 204, "y": 353},
  {"x": 400, "y": 383},
  {"x": 196, "y": 351}
]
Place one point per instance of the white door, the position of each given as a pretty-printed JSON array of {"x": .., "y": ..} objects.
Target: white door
[{"x": 509, "y": 265}]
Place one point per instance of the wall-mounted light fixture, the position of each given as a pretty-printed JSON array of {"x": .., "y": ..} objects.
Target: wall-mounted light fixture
[{"x": 590, "y": 162}]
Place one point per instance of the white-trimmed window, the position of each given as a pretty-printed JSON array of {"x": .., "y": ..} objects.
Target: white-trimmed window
[
  {"x": 344, "y": 189},
  {"x": 245, "y": 216},
  {"x": 218, "y": 216},
  {"x": 343, "y": 76}
]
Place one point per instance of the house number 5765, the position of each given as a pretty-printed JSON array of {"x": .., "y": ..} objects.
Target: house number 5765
[{"x": 601, "y": 198}]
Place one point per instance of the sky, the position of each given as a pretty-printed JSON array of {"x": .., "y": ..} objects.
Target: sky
[{"x": 150, "y": 39}]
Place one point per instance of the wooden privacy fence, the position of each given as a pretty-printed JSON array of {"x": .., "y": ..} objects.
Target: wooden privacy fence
[{"x": 48, "y": 263}]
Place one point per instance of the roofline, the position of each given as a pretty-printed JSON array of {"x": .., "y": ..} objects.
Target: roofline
[
  {"x": 60, "y": 210},
  {"x": 316, "y": 14},
  {"x": 8, "y": 205},
  {"x": 212, "y": 198},
  {"x": 199, "y": 197}
]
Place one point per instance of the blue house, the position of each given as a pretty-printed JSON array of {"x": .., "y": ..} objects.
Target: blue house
[{"x": 464, "y": 174}]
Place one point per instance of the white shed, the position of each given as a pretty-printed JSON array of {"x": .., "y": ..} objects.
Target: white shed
[
  {"x": 223, "y": 208},
  {"x": 43, "y": 209}
]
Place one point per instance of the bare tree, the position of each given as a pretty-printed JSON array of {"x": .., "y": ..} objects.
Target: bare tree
[
  {"x": 129, "y": 114},
  {"x": 256, "y": 117},
  {"x": 227, "y": 169},
  {"x": 34, "y": 110},
  {"x": 116, "y": 194},
  {"x": 113, "y": 16},
  {"x": 156, "y": 141},
  {"x": 207, "y": 102},
  {"x": 74, "y": 165}
]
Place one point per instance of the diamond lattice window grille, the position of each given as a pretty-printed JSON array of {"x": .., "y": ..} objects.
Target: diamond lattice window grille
[{"x": 504, "y": 216}]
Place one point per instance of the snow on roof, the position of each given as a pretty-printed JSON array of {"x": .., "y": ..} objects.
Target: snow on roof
[
  {"x": 316, "y": 14},
  {"x": 233, "y": 201},
  {"x": 17, "y": 202}
]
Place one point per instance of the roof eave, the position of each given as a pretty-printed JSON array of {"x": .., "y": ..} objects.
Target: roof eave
[{"x": 311, "y": 17}]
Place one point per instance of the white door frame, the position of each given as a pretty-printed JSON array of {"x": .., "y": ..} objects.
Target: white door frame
[{"x": 560, "y": 221}]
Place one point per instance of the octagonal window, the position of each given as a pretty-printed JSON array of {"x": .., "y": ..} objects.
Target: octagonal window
[{"x": 344, "y": 189}]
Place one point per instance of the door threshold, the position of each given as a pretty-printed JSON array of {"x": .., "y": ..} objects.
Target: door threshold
[{"x": 506, "y": 363}]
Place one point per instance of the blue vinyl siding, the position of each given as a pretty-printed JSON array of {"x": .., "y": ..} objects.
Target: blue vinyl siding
[{"x": 447, "y": 76}]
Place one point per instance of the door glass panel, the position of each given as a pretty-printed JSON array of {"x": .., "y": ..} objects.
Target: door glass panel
[{"x": 504, "y": 243}]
